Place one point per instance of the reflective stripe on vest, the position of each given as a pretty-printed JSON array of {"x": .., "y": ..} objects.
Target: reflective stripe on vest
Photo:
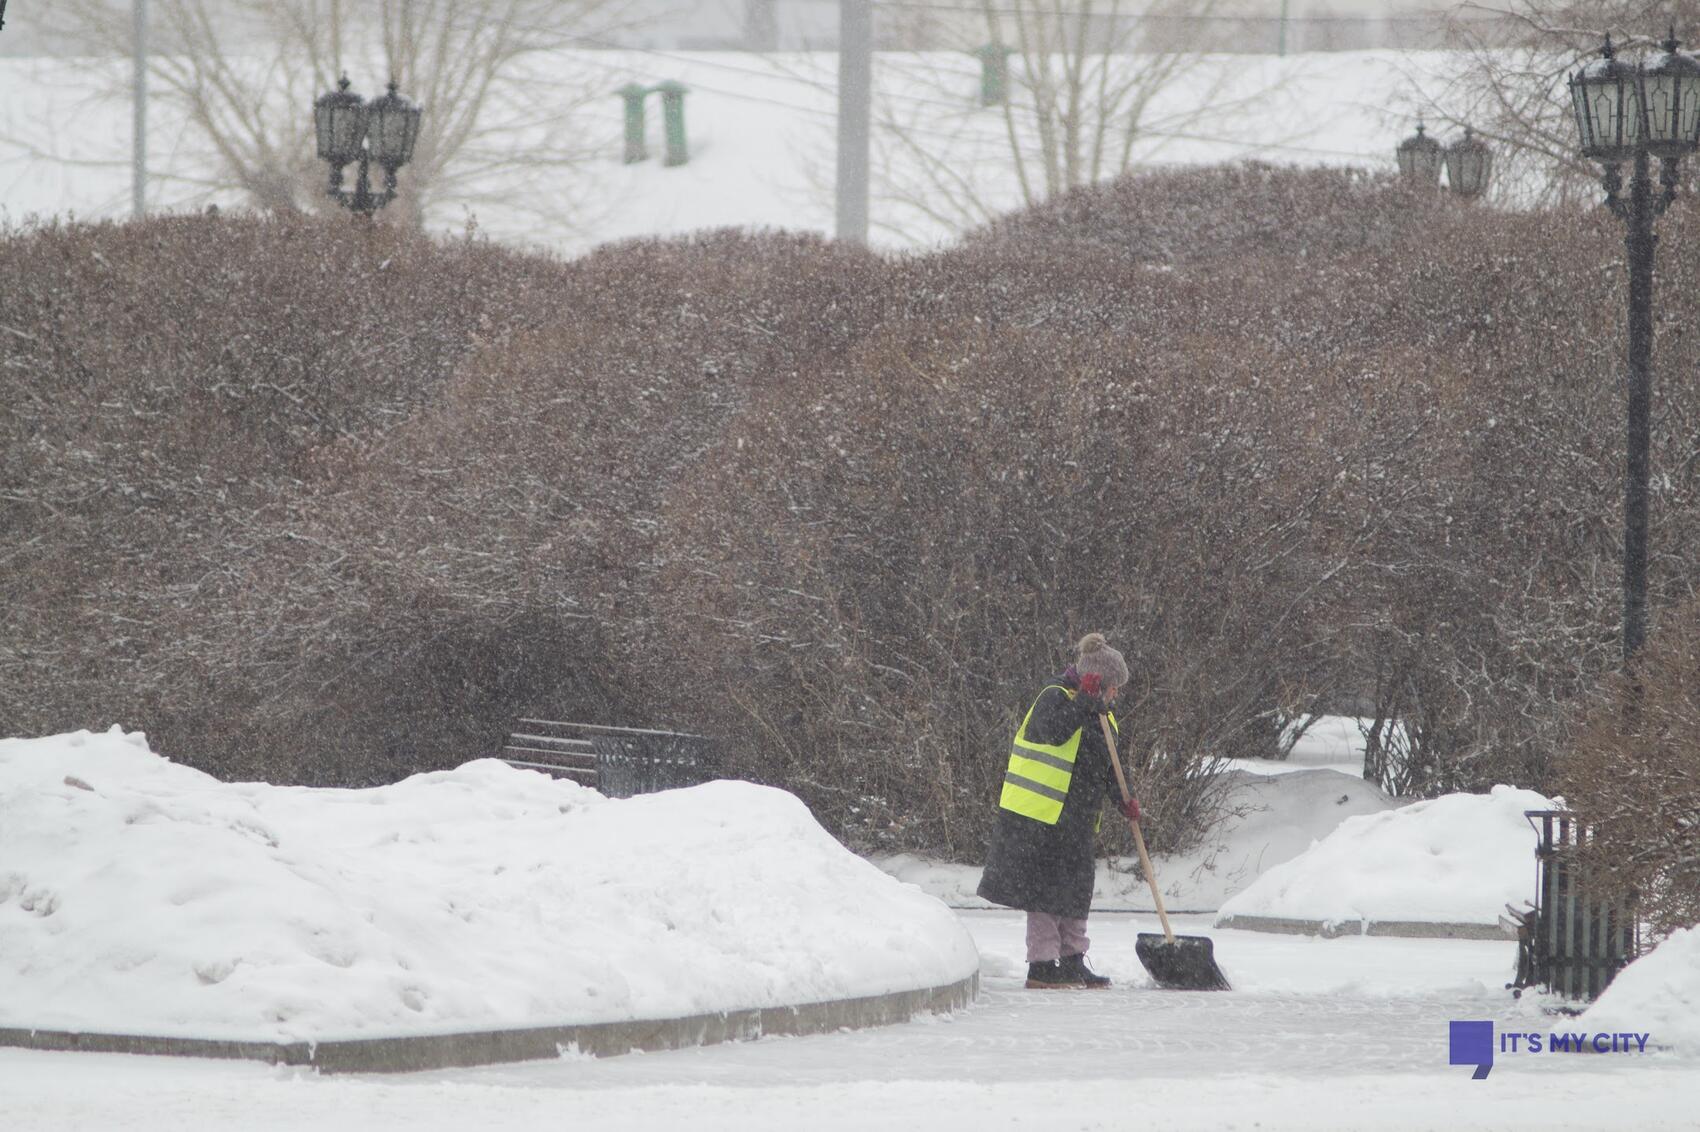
[{"x": 1036, "y": 782}]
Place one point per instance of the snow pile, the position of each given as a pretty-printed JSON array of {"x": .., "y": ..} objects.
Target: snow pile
[
  {"x": 1335, "y": 742},
  {"x": 143, "y": 897},
  {"x": 1271, "y": 819},
  {"x": 1455, "y": 859},
  {"x": 1276, "y": 818},
  {"x": 1658, "y": 994}
]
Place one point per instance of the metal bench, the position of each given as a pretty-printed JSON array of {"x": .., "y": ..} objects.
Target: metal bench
[
  {"x": 617, "y": 761},
  {"x": 1573, "y": 940}
]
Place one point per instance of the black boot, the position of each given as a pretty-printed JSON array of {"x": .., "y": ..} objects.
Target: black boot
[
  {"x": 1074, "y": 967},
  {"x": 1050, "y": 975}
]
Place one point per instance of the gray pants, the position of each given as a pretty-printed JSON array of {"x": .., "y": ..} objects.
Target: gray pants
[{"x": 1051, "y": 937}]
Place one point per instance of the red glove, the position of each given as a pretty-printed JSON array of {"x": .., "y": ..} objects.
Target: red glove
[
  {"x": 1092, "y": 684},
  {"x": 1130, "y": 810}
]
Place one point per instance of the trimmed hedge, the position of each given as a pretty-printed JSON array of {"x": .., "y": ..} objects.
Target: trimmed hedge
[{"x": 331, "y": 504}]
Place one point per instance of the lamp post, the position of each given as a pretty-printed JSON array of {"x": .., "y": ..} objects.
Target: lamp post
[
  {"x": 349, "y": 129},
  {"x": 1468, "y": 162},
  {"x": 1632, "y": 113},
  {"x": 1420, "y": 158}
]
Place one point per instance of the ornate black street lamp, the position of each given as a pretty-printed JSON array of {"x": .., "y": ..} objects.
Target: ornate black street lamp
[
  {"x": 1468, "y": 162},
  {"x": 351, "y": 129},
  {"x": 1420, "y": 158},
  {"x": 1626, "y": 112}
]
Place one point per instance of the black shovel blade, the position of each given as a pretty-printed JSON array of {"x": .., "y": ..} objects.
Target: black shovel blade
[{"x": 1186, "y": 964}]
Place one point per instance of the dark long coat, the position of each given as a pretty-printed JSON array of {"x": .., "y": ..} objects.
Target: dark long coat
[{"x": 1049, "y": 868}]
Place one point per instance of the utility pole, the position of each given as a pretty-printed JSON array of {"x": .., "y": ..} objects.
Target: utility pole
[
  {"x": 761, "y": 25},
  {"x": 139, "y": 100},
  {"x": 855, "y": 99}
]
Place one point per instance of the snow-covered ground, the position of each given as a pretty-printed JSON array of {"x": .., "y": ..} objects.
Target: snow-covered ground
[
  {"x": 1316, "y": 1035},
  {"x": 762, "y": 132},
  {"x": 138, "y": 896},
  {"x": 121, "y": 872},
  {"x": 1460, "y": 858},
  {"x": 133, "y": 888}
]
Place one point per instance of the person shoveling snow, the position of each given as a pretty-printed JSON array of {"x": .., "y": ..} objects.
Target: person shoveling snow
[{"x": 1059, "y": 775}]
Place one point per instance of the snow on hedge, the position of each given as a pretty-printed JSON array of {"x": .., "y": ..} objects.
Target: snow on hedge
[
  {"x": 144, "y": 897},
  {"x": 1658, "y": 994},
  {"x": 1455, "y": 859}
]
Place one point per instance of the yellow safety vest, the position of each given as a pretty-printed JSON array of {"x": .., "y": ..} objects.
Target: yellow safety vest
[{"x": 1036, "y": 783}]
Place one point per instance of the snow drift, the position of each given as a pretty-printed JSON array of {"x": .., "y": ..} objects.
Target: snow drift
[
  {"x": 139, "y": 896},
  {"x": 1658, "y": 994},
  {"x": 1456, "y": 859},
  {"x": 1275, "y": 819},
  {"x": 1273, "y": 816}
]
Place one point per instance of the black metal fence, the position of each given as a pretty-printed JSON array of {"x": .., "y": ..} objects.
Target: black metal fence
[
  {"x": 643, "y": 762},
  {"x": 618, "y": 761},
  {"x": 1577, "y": 936}
]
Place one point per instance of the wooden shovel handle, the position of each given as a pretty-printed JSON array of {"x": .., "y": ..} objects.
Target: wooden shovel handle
[{"x": 1138, "y": 838}]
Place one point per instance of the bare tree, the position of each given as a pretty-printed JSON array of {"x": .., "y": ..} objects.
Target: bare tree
[
  {"x": 1093, "y": 87},
  {"x": 1635, "y": 774},
  {"x": 1510, "y": 83},
  {"x": 241, "y": 75}
]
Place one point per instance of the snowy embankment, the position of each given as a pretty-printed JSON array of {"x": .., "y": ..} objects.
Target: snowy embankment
[
  {"x": 138, "y": 896},
  {"x": 1457, "y": 859},
  {"x": 1658, "y": 994}
]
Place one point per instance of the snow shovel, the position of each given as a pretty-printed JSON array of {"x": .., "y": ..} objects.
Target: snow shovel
[{"x": 1178, "y": 962}]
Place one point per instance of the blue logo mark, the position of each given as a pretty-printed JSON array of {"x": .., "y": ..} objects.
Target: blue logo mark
[{"x": 1472, "y": 1044}]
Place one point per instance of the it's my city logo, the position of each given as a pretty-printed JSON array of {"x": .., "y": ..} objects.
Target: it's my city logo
[{"x": 1474, "y": 1043}]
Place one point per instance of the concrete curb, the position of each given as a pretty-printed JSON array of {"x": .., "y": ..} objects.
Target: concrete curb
[
  {"x": 488, "y": 1047},
  {"x": 1335, "y": 929}
]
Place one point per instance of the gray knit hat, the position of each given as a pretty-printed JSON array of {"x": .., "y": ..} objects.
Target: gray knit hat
[{"x": 1097, "y": 656}]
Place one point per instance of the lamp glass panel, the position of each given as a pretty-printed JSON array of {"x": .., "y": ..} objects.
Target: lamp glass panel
[
  {"x": 1688, "y": 116},
  {"x": 1431, "y": 161},
  {"x": 1671, "y": 83},
  {"x": 1584, "y": 119},
  {"x": 322, "y": 130},
  {"x": 1469, "y": 170},
  {"x": 383, "y": 134},
  {"x": 395, "y": 128},
  {"x": 1603, "y": 103},
  {"x": 1662, "y": 92},
  {"x": 348, "y": 126},
  {"x": 1614, "y": 108},
  {"x": 1420, "y": 158},
  {"x": 1633, "y": 116}
]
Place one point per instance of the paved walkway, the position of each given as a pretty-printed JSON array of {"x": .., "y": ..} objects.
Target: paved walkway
[
  {"x": 1300, "y": 1006},
  {"x": 1317, "y": 1034}
]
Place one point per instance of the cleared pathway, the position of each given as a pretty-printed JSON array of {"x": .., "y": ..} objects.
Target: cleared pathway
[{"x": 1345, "y": 1033}]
